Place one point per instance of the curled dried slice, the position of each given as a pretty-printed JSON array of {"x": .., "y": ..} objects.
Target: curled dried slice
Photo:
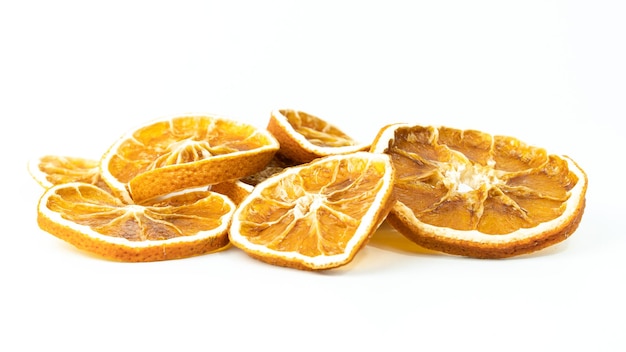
[
  {"x": 177, "y": 226},
  {"x": 468, "y": 193},
  {"x": 304, "y": 137},
  {"x": 317, "y": 215},
  {"x": 183, "y": 152}
]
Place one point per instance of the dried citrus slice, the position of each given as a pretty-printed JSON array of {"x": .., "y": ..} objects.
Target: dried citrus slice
[
  {"x": 317, "y": 215},
  {"x": 304, "y": 137},
  {"x": 183, "y": 152},
  {"x": 468, "y": 193},
  {"x": 177, "y": 226},
  {"x": 50, "y": 170}
]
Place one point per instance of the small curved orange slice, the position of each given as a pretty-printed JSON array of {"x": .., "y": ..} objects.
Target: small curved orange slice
[
  {"x": 184, "y": 152},
  {"x": 175, "y": 227},
  {"x": 317, "y": 215},
  {"x": 50, "y": 170},
  {"x": 468, "y": 193},
  {"x": 304, "y": 137}
]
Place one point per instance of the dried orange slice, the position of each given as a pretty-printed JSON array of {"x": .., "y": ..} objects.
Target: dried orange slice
[
  {"x": 183, "y": 152},
  {"x": 304, "y": 137},
  {"x": 317, "y": 215},
  {"x": 468, "y": 193},
  {"x": 50, "y": 170},
  {"x": 177, "y": 226}
]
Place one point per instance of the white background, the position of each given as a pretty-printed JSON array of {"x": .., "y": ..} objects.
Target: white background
[{"x": 74, "y": 75}]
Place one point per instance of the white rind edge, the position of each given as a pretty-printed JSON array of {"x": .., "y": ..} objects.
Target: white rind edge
[
  {"x": 36, "y": 173},
  {"x": 119, "y": 186},
  {"x": 123, "y": 242},
  {"x": 321, "y": 260},
  {"x": 576, "y": 196},
  {"x": 385, "y": 135}
]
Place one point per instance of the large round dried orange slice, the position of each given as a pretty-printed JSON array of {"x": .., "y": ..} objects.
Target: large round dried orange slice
[
  {"x": 468, "y": 193},
  {"x": 317, "y": 215},
  {"x": 183, "y": 152},
  {"x": 50, "y": 170},
  {"x": 304, "y": 137},
  {"x": 177, "y": 226}
]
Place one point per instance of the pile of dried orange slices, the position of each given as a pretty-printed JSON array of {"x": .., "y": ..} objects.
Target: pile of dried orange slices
[{"x": 301, "y": 193}]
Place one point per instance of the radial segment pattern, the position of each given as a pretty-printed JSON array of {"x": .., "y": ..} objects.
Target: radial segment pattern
[
  {"x": 315, "y": 211},
  {"x": 469, "y": 180},
  {"x": 182, "y": 140},
  {"x": 178, "y": 216}
]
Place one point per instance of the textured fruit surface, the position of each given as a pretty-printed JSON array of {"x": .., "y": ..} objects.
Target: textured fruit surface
[
  {"x": 467, "y": 192},
  {"x": 175, "y": 227},
  {"x": 317, "y": 215}
]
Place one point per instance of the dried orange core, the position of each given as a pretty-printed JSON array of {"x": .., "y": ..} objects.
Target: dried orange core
[
  {"x": 309, "y": 204},
  {"x": 462, "y": 176}
]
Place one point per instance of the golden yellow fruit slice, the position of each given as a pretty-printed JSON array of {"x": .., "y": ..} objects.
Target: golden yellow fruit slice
[
  {"x": 316, "y": 215},
  {"x": 183, "y": 152},
  {"x": 468, "y": 193},
  {"x": 50, "y": 170},
  {"x": 304, "y": 137},
  {"x": 175, "y": 227}
]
